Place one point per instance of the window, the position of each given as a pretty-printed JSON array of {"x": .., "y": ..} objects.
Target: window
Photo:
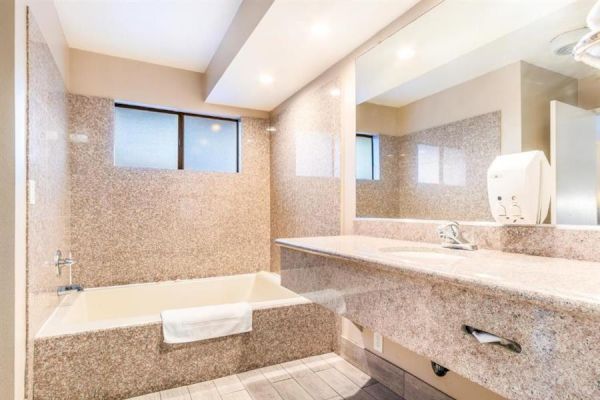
[
  {"x": 153, "y": 138},
  {"x": 367, "y": 157}
]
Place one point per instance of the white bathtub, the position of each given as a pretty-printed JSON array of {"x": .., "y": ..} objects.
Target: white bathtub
[{"x": 128, "y": 305}]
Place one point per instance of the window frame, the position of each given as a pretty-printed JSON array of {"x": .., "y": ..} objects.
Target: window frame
[
  {"x": 181, "y": 131},
  {"x": 372, "y": 138}
]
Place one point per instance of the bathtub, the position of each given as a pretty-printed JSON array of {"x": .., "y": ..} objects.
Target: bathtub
[
  {"x": 106, "y": 343},
  {"x": 138, "y": 304}
]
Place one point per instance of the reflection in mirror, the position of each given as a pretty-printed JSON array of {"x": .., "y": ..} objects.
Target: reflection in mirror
[{"x": 467, "y": 82}]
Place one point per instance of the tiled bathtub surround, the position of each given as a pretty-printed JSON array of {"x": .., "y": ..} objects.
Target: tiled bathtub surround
[
  {"x": 125, "y": 362},
  {"x": 144, "y": 225},
  {"x": 423, "y": 308},
  {"x": 435, "y": 173},
  {"x": 48, "y": 214},
  {"x": 574, "y": 242},
  {"x": 305, "y": 159}
]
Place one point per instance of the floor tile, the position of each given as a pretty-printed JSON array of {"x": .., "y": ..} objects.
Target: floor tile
[
  {"x": 181, "y": 393},
  {"x": 239, "y": 395},
  {"x": 228, "y": 384},
  {"x": 290, "y": 390},
  {"x": 204, "y": 391},
  {"x": 316, "y": 387},
  {"x": 275, "y": 373},
  {"x": 316, "y": 363},
  {"x": 296, "y": 368},
  {"x": 342, "y": 385},
  {"x": 380, "y": 392},
  {"x": 258, "y": 386},
  {"x": 351, "y": 372}
]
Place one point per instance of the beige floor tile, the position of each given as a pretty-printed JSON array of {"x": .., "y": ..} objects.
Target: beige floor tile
[
  {"x": 342, "y": 385},
  {"x": 351, "y": 372},
  {"x": 316, "y": 387},
  {"x": 228, "y": 384},
  {"x": 316, "y": 363},
  {"x": 275, "y": 373},
  {"x": 258, "y": 386},
  {"x": 181, "y": 393},
  {"x": 290, "y": 390},
  {"x": 204, "y": 391},
  {"x": 380, "y": 392},
  {"x": 239, "y": 395},
  {"x": 296, "y": 368}
]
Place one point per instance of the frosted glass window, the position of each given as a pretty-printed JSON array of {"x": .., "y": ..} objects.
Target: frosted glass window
[
  {"x": 454, "y": 167},
  {"x": 210, "y": 144},
  {"x": 428, "y": 164},
  {"x": 145, "y": 139},
  {"x": 364, "y": 157}
]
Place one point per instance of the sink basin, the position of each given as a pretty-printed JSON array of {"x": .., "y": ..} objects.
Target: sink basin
[{"x": 415, "y": 254}]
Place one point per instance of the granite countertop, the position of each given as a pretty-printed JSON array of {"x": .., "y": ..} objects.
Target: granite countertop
[{"x": 555, "y": 282}]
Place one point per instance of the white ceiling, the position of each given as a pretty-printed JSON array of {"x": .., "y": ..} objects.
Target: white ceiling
[
  {"x": 470, "y": 40},
  {"x": 285, "y": 47},
  {"x": 177, "y": 33}
]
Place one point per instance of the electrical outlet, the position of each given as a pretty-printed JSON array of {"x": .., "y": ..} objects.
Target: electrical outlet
[{"x": 377, "y": 342}]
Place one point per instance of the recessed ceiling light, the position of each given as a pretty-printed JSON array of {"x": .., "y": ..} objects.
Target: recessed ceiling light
[
  {"x": 271, "y": 129},
  {"x": 215, "y": 127},
  {"x": 406, "y": 53},
  {"x": 320, "y": 29},
  {"x": 265, "y": 79},
  {"x": 335, "y": 92}
]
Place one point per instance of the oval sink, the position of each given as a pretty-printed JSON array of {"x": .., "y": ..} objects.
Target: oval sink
[{"x": 423, "y": 254}]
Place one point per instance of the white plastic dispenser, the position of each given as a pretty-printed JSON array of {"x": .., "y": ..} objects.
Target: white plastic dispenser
[{"x": 519, "y": 188}]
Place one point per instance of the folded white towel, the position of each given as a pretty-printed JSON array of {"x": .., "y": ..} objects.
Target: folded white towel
[{"x": 199, "y": 323}]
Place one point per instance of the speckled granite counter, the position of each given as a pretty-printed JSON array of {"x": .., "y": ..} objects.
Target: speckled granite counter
[{"x": 421, "y": 296}]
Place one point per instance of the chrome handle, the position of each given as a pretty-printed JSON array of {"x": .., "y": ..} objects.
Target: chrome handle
[{"x": 484, "y": 337}]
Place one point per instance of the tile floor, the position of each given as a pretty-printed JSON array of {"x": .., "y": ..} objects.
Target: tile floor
[{"x": 324, "y": 377}]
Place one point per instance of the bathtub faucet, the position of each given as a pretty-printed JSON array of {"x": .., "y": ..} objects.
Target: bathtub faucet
[{"x": 59, "y": 263}]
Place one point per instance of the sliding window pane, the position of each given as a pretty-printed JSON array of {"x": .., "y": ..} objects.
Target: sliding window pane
[
  {"x": 145, "y": 139},
  {"x": 210, "y": 144},
  {"x": 364, "y": 157}
]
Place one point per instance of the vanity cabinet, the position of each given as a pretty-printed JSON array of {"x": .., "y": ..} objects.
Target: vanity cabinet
[{"x": 426, "y": 312}]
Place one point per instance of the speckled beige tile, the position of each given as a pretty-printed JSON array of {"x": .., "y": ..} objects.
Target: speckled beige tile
[
  {"x": 122, "y": 362},
  {"x": 305, "y": 157},
  {"x": 144, "y": 225},
  {"x": 572, "y": 242},
  {"x": 48, "y": 219}
]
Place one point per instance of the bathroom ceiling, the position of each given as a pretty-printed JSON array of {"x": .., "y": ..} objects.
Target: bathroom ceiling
[
  {"x": 177, "y": 33},
  {"x": 296, "y": 41},
  {"x": 454, "y": 56}
]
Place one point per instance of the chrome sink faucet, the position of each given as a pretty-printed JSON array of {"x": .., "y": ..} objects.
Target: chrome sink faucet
[
  {"x": 452, "y": 237},
  {"x": 59, "y": 263}
]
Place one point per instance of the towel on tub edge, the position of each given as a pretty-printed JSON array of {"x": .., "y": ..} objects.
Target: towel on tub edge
[{"x": 186, "y": 325}]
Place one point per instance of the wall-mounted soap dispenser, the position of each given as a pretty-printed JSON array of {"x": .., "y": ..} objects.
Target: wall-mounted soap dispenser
[{"x": 519, "y": 188}]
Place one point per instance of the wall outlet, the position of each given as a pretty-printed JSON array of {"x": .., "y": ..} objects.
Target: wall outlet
[
  {"x": 377, "y": 342},
  {"x": 31, "y": 191}
]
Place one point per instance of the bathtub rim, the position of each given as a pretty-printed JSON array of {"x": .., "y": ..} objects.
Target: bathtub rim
[{"x": 59, "y": 313}]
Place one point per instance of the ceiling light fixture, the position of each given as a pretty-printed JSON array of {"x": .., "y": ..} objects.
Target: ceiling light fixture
[
  {"x": 406, "y": 53},
  {"x": 335, "y": 92},
  {"x": 265, "y": 79},
  {"x": 320, "y": 29},
  {"x": 215, "y": 127}
]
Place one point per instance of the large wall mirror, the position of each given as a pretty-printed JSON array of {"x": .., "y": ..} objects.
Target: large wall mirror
[{"x": 441, "y": 99}]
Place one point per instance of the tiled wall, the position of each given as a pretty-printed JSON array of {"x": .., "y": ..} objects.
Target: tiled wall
[
  {"x": 145, "y": 225},
  {"x": 455, "y": 185},
  {"x": 48, "y": 211},
  {"x": 380, "y": 198},
  {"x": 305, "y": 159}
]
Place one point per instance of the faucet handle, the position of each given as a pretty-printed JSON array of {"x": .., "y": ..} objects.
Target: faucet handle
[{"x": 450, "y": 230}]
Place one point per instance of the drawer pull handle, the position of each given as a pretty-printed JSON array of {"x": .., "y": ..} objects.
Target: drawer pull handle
[{"x": 489, "y": 338}]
